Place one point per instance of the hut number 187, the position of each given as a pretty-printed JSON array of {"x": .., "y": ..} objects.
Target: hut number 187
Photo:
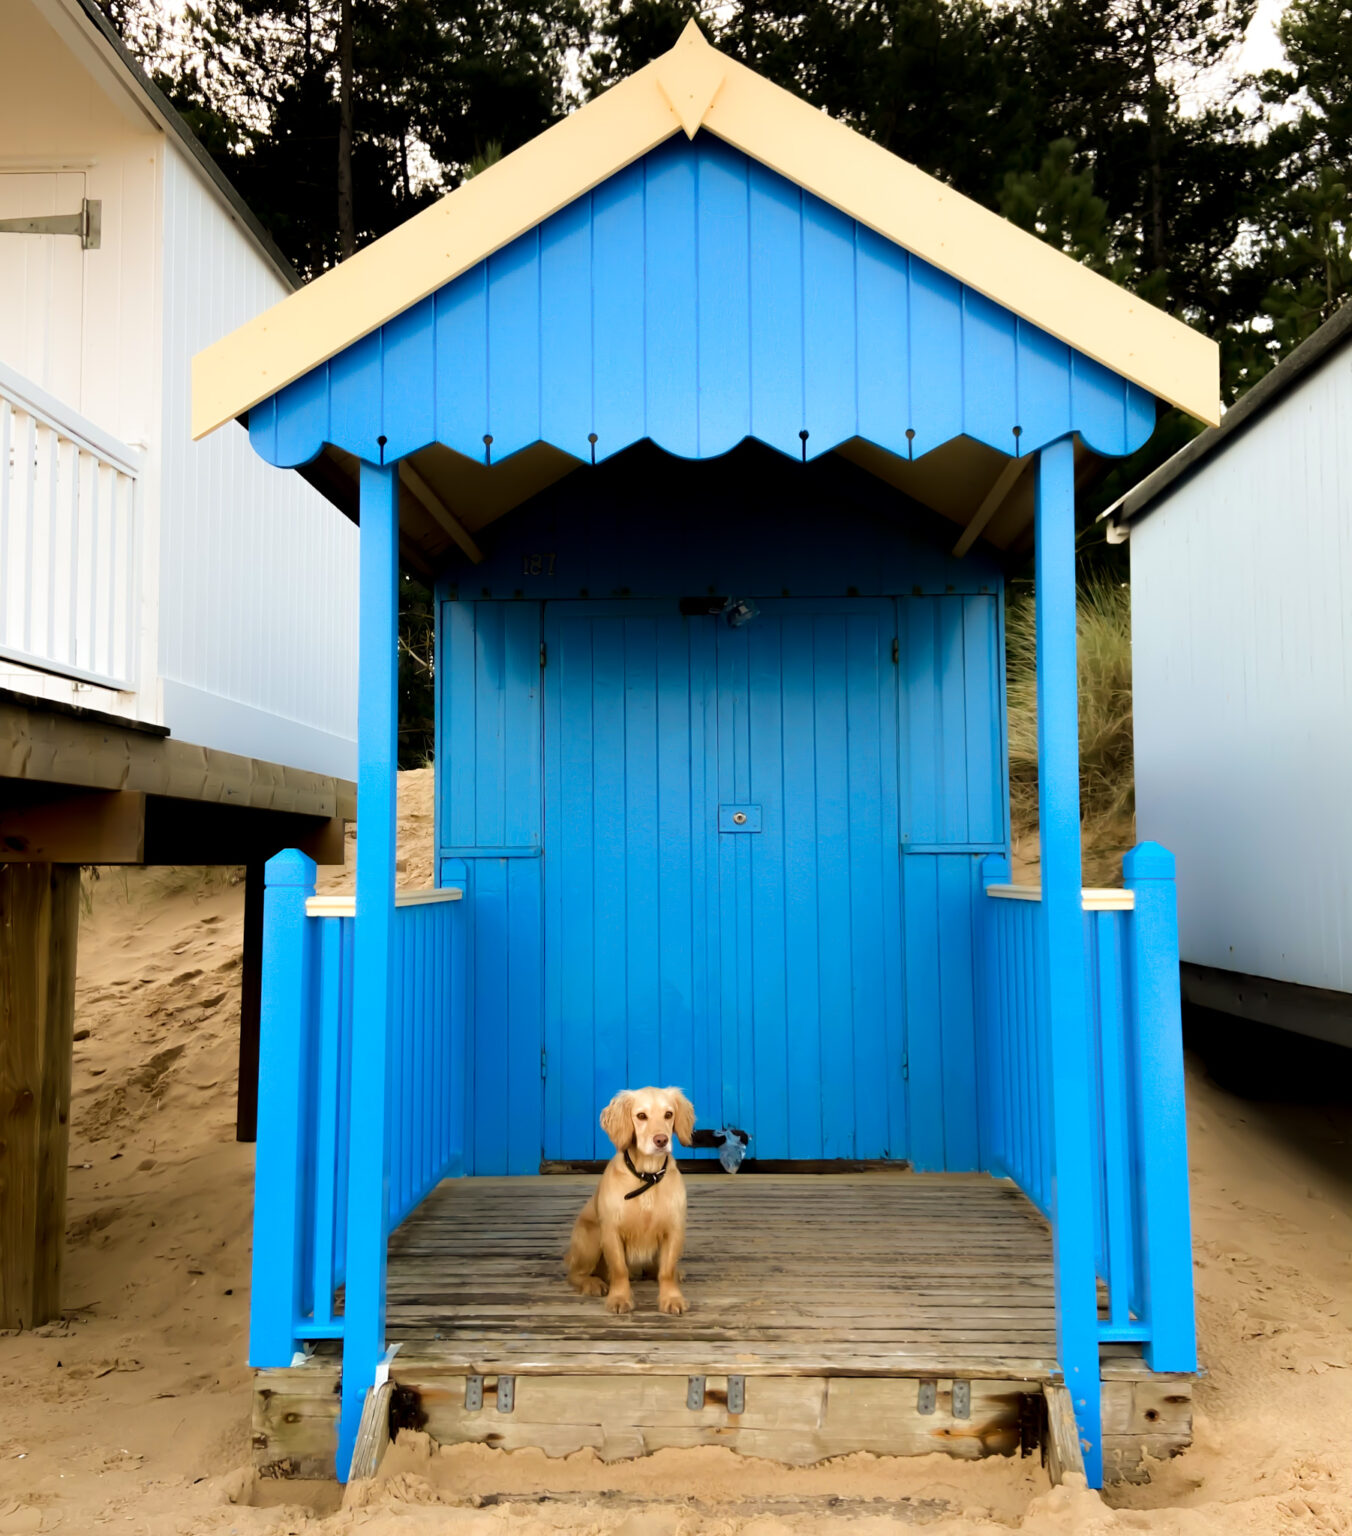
[{"x": 537, "y": 565}]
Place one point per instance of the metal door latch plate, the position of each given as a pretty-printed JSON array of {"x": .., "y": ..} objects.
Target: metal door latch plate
[
  {"x": 506, "y": 1393},
  {"x": 926, "y": 1397},
  {"x": 474, "y": 1393},
  {"x": 736, "y": 1394},
  {"x": 962, "y": 1399},
  {"x": 694, "y": 1393},
  {"x": 739, "y": 818}
]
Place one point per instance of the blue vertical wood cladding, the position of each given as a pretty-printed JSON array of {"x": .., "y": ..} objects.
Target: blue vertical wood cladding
[
  {"x": 354, "y": 382},
  {"x": 727, "y": 975},
  {"x": 621, "y": 929},
  {"x": 491, "y": 725},
  {"x": 1012, "y": 1055},
  {"x": 490, "y": 821},
  {"x": 952, "y": 742},
  {"x": 409, "y": 374},
  {"x": 775, "y": 281},
  {"x": 1062, "y": 944},
  {"x": 671, "y": 297},
  {"x": 1111, "y": 1090},
  {"x": 427, "y": 1089},
  {"x": 722, "y": 236},
  {"x": 514, "y": 345},
  {"x": 938, "y": 898},
  {"x": 760, "y": 969},
  {"x": 566, "y": 325},
  {"x": 1162, "y": 1167},
  {"x": 989, "y": 363},
  {"x": 280, "y": 1177},
  {"x": 374, "y": 971},
  {"x": 694, "y": 298},
  {"x": 616, "y": 300},
  {"x": 936, "y": 332},
  {"x": 830, "y": 363},
  {"x": 462, "y": 351}
]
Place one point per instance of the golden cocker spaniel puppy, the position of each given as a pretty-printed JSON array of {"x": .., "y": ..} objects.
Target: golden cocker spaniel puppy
[{"x": 635, "y": 1221}]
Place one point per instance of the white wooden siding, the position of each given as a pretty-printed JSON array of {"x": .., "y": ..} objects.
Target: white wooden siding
[
  {"x": 70, "y": 127},
  {"x": 1242, "y": 657},
  {"x": 258, "y": 573},
  {"x": 42, "y": 279},
  {"x": 244, "y": 586}
]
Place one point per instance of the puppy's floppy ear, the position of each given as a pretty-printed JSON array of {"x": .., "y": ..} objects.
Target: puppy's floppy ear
[
  {"x": 617, "y": 1122},
  {"x": 685, "y": 1116}
]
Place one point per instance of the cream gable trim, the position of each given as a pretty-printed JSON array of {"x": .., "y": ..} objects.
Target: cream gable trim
[{"x": 690, "y": 87}]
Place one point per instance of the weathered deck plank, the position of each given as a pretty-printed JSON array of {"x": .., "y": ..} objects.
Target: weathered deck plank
[
  {"x": 869, "y": 1274},
  {"x": 835, "y": 1297}
]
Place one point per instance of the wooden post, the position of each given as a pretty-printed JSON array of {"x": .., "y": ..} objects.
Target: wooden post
[
  {"x": 373, "y": 948},
  {"x": 250, "y": 1001},
  {"x": 1157, "y": 1055},
  {"x": 1062, "y": 938},
  {"x": 280, "y": 1169},
  {"x": 39, "y": 928}
]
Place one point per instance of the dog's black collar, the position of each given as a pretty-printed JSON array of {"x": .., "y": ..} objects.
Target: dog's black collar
[{"x": 647, "y": 1180}]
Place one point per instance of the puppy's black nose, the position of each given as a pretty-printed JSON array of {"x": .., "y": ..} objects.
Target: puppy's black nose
[{"x": 660, "y": 1141}]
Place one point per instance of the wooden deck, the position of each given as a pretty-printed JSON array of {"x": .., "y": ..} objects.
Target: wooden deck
[
  {"x": 887, "y": 1274},
  {"x": 888, "y": 1312}
]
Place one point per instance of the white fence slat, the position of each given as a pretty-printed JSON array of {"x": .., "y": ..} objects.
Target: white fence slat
[{"x": 68, "y": 541}]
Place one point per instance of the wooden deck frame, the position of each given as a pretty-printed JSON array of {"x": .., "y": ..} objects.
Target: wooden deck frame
[{"x": 930, "y": 1326}]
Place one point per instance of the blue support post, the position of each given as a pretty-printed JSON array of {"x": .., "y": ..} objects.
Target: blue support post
[
  {"x": 1157, "y": 1035},
  {"x": 280, "y": 1173},
  {"x": 377, "y": 764},
  {"x": 1062, "y": 935}
]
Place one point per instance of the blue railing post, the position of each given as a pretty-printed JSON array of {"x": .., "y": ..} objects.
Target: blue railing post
[
  {"x": 373, "y": 949},
  {"x": 280, "y": 1170},
  {"x": 1062, "y": 959},
  {"x": 1157, "y": 1034}
]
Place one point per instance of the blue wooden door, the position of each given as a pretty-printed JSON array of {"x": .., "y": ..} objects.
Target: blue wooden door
[{"x": 722, "y": 891}]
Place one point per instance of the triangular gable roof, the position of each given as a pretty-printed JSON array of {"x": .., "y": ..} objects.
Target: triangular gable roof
[{"x": 691, "y": 87}]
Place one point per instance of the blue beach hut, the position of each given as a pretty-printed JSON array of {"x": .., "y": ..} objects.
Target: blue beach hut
[{"x": 716, "y": 427}]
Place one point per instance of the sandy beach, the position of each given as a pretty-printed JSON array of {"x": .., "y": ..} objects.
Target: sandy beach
[{"x": 132, "y": 1413}]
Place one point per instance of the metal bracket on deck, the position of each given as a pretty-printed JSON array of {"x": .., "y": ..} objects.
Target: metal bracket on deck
[
  {"x": 962, "y": 1399},
  {"x": 506, "y": 1393},
  {"x": 474, "y": 1393},
  {"x": 926, "y": 1397},
  {"x": 694, "y": 1393},
  {"x": 736, "y": 1394}
]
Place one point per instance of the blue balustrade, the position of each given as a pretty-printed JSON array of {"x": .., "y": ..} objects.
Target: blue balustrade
[
  {"x": 1137, "y": 1133},
  {"x": 1013, "y": 1046},
  {"x": 307, "y": 1094}
]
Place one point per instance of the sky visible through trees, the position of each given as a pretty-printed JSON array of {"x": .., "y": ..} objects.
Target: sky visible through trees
[
  {"x": 1177, "y": 146},
  {"x": 1192, "y": 154}
]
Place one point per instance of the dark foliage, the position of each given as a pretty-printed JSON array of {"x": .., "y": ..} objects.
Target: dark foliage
[{"x": 1114, "y": 129}]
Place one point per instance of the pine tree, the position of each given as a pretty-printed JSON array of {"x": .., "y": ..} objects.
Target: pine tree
[{"x": 1302, "y": 252}]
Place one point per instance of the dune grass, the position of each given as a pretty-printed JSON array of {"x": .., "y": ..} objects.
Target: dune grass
[{"x": 1107, "y": 800}]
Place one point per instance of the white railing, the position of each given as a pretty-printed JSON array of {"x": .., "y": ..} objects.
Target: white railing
[{"x": 68, "y": 540}]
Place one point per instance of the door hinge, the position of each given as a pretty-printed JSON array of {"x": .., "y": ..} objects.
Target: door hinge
[
  {"x": 87, "y": 224},
  {"x": 544, "y": 653},
  {"x": 896, "y": 650},
  {"x": 543, "y": 1063},
  {"x": 905, "y": 1070}
]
